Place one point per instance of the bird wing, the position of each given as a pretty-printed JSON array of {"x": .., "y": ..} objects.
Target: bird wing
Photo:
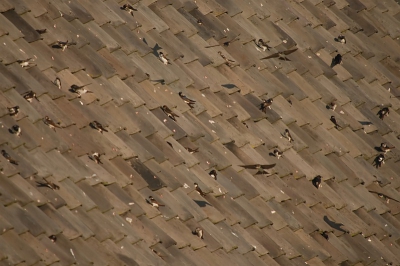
[
  {"x": 270, "y": 56},
  {"x": 267, "y": 166},
  {"x": 290, "y": 51},
  {"x": 250, "y": 166}
]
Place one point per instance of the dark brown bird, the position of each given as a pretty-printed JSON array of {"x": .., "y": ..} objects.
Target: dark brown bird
[
  {"x": 99, "y": 127},
  {"x": 379, "y": 160},
  {"x": 383, "y": 112},
  {"x": 266, "y": 104},
  {"x": 48, "y": 184},
  {"x": 48, "y": 121},
  {"x": 188, "y": 101},
  {"x": 191, "y": 151},
  {"x": 336, "y": 60},
  {"x": 281, "y": 55},
  {"x": 385, "y": 148},
  {"x": 154, "y": 203},
  {"x": 287, "y": 135},
  {"x": 8, "y": 157},
  {"x": 259, "y": 167},
  {"x": 53, "y": 238},
  {"x": 30, "y": 95},
  {"x": 80, "y": 90},
  {"x": 129, "y": 8},
  {"x": 317, "y": 181},
  {"x": 333, "y": 120},
  {"x": 278, "y": 154},
  {"x": 63, "y": 45},
  {"x": 13, "y": 111},
  {"x": 96, "y": 157},
  {"x": 198, "y": 189},
  {"x": 169, "y": 112},
  {"x": 262, "y": 45},
  {"x": 15, "y": 129},
  {"x": 332, "y": 105},
  {"x": 340, "y": 39},
  {"x": 213, "y": 174}
]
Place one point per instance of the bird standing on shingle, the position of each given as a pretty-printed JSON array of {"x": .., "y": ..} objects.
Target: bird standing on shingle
[
  {"x": 287, "y": 135},
  {"x": 379, "y": 160},
  {"x": 169, "y": 112},
  {"x": 129, "y": 8},
  {"x": 99, "y": 127},
  {"x": 317, "y": 181},
  {"x": 385, "y": 148},
  {"x": 57, "y": 82},
  {"x": 154, "y": 203},
  {"x": 48, "y": 184},
  {"x": 198, "y": 232},
  {"x": 281, "y": 55},
  {"x": 63, "y": 45},
  {"x": 259, "y": 167},
  {"x": 163, "y": 58},
  {"x": 383, "y": 112},
  {"x": 333, "y": 120},
  {"x": 26, "y": 62},
  {"x": 80, "y": 90},
  {"x": 266, "y": 104},
  {"x": 340, "y": 39},
  {"x": 188, "y": 101},
  {"x": 198, "y": 189},
  {"x": 277, "y": 153},
  {"x": 213, "y": 174},
  {"x": 191, "y": 151},
  {"x": 8, "y": 157},
  {"x": 262, "y": 45},
  {"x": 48, "y": 121},
  {"x": 30, "y": 95},
  {"x": 96, "y": 157},
  {"x": 332, "y": 105},
  {"x": 13, "y": 111},
  {"x": 15, "y": 129},
  {"x": 336, "y": 60}
]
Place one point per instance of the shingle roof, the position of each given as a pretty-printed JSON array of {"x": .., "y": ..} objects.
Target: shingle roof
[{"x": 58, "y": 206}]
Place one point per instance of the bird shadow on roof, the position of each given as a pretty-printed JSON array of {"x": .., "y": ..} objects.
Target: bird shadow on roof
[
  {"x": 155, "y": 48},
  {"x": 202, "y": 203},
  {"x": 334, "y": 225}
]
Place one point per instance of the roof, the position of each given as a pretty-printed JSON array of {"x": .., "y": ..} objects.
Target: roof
[{"x": 60, "y": 205}]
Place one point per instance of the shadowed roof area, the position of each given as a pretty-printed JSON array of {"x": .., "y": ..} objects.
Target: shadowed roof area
[{"x": 111, "y": 111}]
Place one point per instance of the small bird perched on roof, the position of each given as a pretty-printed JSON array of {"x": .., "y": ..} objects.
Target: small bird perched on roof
[
  {"x": 287, "y": 135},
  {"x": 13, "y": 111},
  {"x": 385, "y": 148},
  {"x": 169, "y": 112},
  {"x": 99, "y": 127},
  {"x": 379, "y": 160},
  {"x": 154, "y": 203},
  {"x": 163, "y": 58},
  {"x": 198, "y": 232},
  {"x": 213, "y": 174},
  {"x": 385, "y": 197},
  {"x": 95, "y": 156},
  {"x": 336, "y": 60},
  {"x": 262, "y": 45},
  {"x": 191, "y": 151},
  {"x": 198, "y": 189},
  {"x": 259, "y": 167},
  {"x": 227, "y": 43},
  {"x": 15, "y": 129},
  {"x": 63, "y": 45},
  {"x": 383, "y": 112},
  {"x": 340, "y": 39},
  {"x": 41, "y": 31},
  {"x": 8, "y": 157},
  {"x": 48, "y": 184},
  {"x": 188, "y": 101},
  {"x": 281, "y": 55},
  {"x": 57, "y": 82},
  {"x": 333, "y": 120},
  {"x": 317, "y": 181},
  {"x": 30, "y": 95},
  {"x": 266, "y": 104},
  {"x": 228, "y": 61},
  {"x": 278, "y": 154},
  {"x": 80, "y": 90},
  {"x": 48, "y": 121},
  {"x": 25, "y": 62},
  {"x": 332, "y": 105},
  {"x": 129, "y": 8}
]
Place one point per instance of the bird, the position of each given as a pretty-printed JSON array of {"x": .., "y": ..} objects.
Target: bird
[
  {"x": 25, "y": 62},
  {"x": 15, "y": 129},
  {"x": 29, "y": 95},
  {"x": 262, "y": 45},
  {"x": 191, "y": 151},
  {"x": 227, "y": 43},
  {"x": 281, "y": 55},
  {"x": 198, "y": 189},
  {"x": 57, "y": 82},
  {"x": 317, "y": 181},
  {"x": 333, "y": 120},
  {"x": 8, "y": 157},
  {"x": 48, "y": 184},
  {"x": 162, "y": 81},
  {"x": 278, "y": 154},
  {"x": 336, "y": 60},
  {"x": 340, "y": 39},
  {"x": 129, "y": 8},
  {"x": 188, "y": 101},
  {"x": 385, "y": 197},
  {"x": 53, "y": 238},
  {"x": 325, "y": 234},
  {"x": 163, "y": 58},
  {"x": 95, "y": 156},
  {"x": 287, "y": 135},
  {"x": 259, "y": 167},
  {"x": 200, "y": 22},
  {"x": 379, "y": 160},
  {"x": 266, "y": 104},
  {"x": 154, "y": 203},
  {"x": 169, "y": 112},
  {"x": 99, "y": 127},
  {"x": 41, "y": 31},
  {"x": 383, "y": 112},
  {"x": 228, "y": 61},
  {"x": 13, "y": 111},
  {"x": 198, "y": 232},
  {"x": 63, "y": 45},
  {"x": 80, "y": 90},
  {"x": 332, "y": 105},
  {"x": 48, "y": 121},
  {"x": 385, "y": 148},
  {"x": 213, "y": 174}
]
